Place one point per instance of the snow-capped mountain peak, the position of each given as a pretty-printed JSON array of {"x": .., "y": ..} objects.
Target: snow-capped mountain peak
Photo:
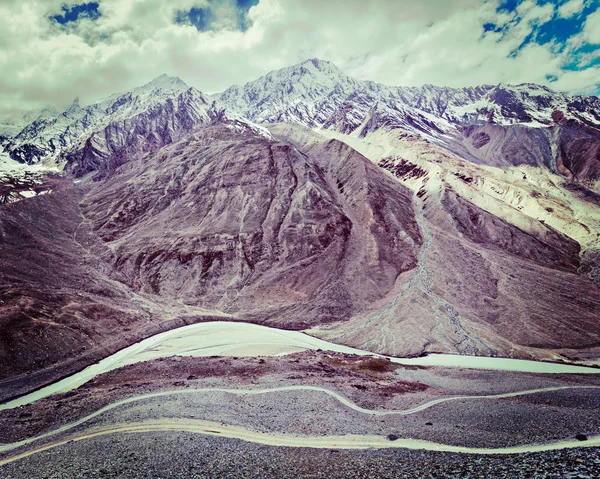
[
  {"x": 73, "y": 109},
  {"x": 159, "y": 109},
  {"x": 300, "y": 93},
  {"x": 322, "y": 72},
  {"x": 163, "y": 82},
  {"x": 314, "y": 93}
]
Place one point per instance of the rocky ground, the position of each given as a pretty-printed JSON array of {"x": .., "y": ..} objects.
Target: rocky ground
[
  {"x": 368, "y": 382},
  {"x": 191, "y": 456}
]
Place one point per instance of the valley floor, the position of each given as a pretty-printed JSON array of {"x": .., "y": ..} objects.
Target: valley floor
[
  {"x": 179, "y": 424},
  {"x": 191, "y": 456}
]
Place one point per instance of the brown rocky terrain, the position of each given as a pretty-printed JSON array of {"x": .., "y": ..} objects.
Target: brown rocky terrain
[
  {"x": 295, "y": 231},
  {"x": 567, "y": 147},
  {"x": 387, "y": 229},
  {"x": 62, "y": 306},
  {"x": 224, "y": 219},
  {"x": 491, "y": 279},
  {"x": 253, "y": 226}
]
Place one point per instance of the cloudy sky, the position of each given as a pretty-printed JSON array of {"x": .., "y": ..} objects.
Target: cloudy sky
[{"x": 53, "y": 50}]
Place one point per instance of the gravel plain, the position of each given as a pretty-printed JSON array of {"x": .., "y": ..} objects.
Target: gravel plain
[
  {"x": 371, "y": 384},
  {"x": 192, "y": 456}
]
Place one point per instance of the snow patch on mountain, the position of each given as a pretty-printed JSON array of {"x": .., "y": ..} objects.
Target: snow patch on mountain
[
  {"x": 20, "y": 181},
  {"x": 50, "y": 137},
  {"x": 315, "y": 93},
  {"x": 525, "y": 196}
]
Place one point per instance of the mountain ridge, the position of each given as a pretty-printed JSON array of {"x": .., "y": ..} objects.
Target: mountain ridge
[
  {"x": 317, "y": 94},
  {"x": 383, "y": 226}
]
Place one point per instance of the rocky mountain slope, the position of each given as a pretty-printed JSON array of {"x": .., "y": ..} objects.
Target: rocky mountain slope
[
  {"x": 229, "y": 219},
  {"x": 497, "y": 125},
  {"x": 400, "y": 220},
  {"x": 316, "y": 93},
  {"x": 491, "y": 271},
  {"x": 97, "y": 136},
  {"x": 225, "y": 219}
]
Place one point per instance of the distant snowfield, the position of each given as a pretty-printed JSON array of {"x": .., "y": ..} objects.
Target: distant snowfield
[
  {"x": 8, "y": 165},
  {"x": 24, "y": 180},
  {"x": 222, "y": 338}
]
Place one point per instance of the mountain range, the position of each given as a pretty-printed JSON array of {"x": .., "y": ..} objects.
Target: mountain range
[{"x": 402, "y": 220}]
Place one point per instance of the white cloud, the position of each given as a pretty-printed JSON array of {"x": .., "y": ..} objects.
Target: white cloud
[
  {"x": 391, "y": 41},
  {"x": 531, "y": 12},
  {"x": 571, "y": 8},
  {"x": 584, "y": 81},
  {"x": 591, "y": 31}
]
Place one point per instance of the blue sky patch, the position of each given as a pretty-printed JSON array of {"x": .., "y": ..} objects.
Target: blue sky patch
[
  {"x": 556, "y": 32},
  {"x": 559, "y": 30},
  {"x": 508, "y": 5},
  {"x": 242, "y": 9},
  {"x": 72, "y": 13},
  {"x": 581, "y": 58},
  {"x": 246, "y": 4},
  {"x": 201, "y": 18}
]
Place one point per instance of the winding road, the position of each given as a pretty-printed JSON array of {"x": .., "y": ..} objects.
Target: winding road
[
  {"x": 349, "y": 441},
  {"x": 278, "y": 439},
  {"x": 231, "y": 338},
  {"x": 253, "y": 392}
]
